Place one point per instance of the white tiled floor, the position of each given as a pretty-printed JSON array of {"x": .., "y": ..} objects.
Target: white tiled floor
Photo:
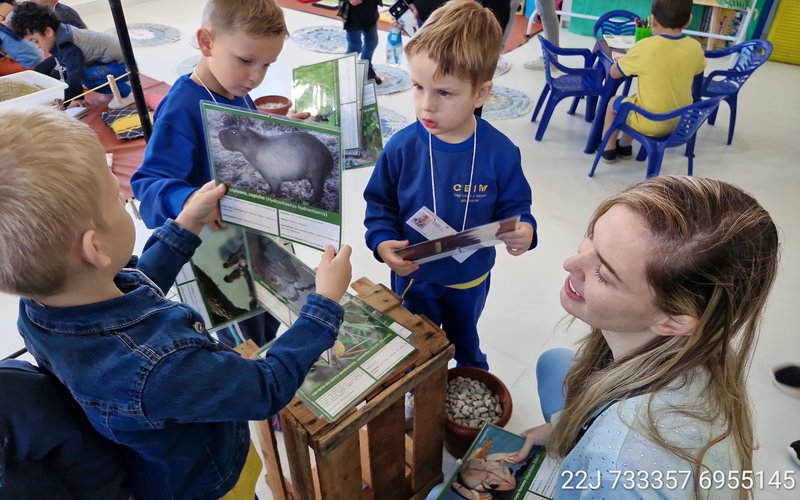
[{"x": 523, "y": 315}]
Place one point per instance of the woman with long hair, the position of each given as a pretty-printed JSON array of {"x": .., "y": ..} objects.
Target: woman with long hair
[{"x": 672, "y": 277}]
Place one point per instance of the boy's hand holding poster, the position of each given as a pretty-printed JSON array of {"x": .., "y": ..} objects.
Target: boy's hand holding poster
[
  {"x": 458, "y": 245},
  {"x": 236, "y": 273},
  {"x": 283, "y": 176}
]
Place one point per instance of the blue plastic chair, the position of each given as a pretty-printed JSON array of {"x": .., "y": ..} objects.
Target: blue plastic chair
[
  {"x": 616, "y": 22},
  {"x": 727, "y": 83},
  {"x": 690, "y": 119},
  {"x": 573, "y": 82}
]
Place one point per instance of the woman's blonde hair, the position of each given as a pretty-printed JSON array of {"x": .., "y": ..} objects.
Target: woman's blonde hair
[
  {"x": 463, "y": 38},
  {"x": 715, "y": 257},
  {"x": 255, "y": 18},
  {"x": 48, "y": 196}
]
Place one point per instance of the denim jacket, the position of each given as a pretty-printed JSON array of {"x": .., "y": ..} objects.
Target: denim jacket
[{"x": 150, "y": 378}]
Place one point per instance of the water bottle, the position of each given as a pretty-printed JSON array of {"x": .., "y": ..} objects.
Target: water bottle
[{"x": 394, "y": 47}]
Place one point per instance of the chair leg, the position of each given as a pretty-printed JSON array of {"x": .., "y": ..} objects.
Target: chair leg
[
  {"x": 542, "y": 97},
  {"x": 574, "y": 106},
  {"x": 690, "y": 153},
  {"x": 713, "y": 116},
  {"x": 591, "y": 108},
  {"x": 654, "y": 160},
  {"x": 732, "y": 102},
  {"x": 600, "y": 150},
  {"x": 548, "y": 112},
  {"x": 642, "y": 156}
]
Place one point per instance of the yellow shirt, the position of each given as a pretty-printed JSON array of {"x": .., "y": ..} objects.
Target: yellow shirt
[{"x": 665, "y": 67}]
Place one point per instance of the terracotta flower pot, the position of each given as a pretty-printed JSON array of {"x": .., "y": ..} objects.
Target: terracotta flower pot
[{"x": 457, "y": 437}]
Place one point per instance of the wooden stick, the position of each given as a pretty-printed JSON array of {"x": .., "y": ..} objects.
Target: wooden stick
[
  {"x": 98, "y": 87},
  {"x": 114, "y": 89}
]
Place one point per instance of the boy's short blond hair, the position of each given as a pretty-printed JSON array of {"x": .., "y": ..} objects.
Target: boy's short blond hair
[
  {"x": 255, "y": 18},
  {"x": 49, "y": 195},
  {"x": 463, "y": 38}
]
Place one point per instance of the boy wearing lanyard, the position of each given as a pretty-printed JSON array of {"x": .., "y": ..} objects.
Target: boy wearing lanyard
[{"x": 453, "y": 168}]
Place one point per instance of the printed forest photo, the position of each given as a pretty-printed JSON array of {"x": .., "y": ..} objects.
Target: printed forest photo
[{"x": 223, "y": 275}]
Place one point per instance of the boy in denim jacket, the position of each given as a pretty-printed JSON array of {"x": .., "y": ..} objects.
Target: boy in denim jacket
[{"x": 98, "y": 320}]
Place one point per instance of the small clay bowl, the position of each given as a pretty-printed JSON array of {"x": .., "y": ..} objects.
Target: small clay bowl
[
  {"x": 273, "y": 104},
  {"x": 457, "y": 437}
]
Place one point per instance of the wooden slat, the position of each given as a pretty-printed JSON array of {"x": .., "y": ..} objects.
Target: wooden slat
[
  {"x": 428, "y": 432},
  {"x": 322, "y": 444},
  {"x": 386, "y": 444},
  {"x": 269, "y": 448},
  {"x": 296, "y": 441},
  {"x": 340, "y": 471},
  {"x": 428, "y": 339}
]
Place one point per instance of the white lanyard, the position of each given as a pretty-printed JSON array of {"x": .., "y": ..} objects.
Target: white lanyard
[
  {"x": 212, "y": 95},
  {"x": 471, "y": 171}
]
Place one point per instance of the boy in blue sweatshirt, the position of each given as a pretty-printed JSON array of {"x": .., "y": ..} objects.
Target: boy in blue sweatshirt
[
  {"x": 238, "y": 41},
  {"x": 137, "y": 363},
  {"x": 451, "y": 165}
]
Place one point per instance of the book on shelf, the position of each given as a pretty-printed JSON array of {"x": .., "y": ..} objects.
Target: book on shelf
[{"x": 488, "y": 470}]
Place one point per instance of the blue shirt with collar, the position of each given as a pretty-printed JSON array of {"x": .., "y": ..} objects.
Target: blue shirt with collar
[{"x": 141, "y": 368}]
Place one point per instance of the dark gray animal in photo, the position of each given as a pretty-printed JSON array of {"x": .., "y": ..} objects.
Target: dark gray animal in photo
[{"x": 282, "y": 157}]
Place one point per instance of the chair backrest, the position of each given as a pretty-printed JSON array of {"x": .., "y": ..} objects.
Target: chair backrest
[
  {"x": 691, "y": 118},
  {"x": 752, "y": 54},
  {"x": 615, "y": 22}
]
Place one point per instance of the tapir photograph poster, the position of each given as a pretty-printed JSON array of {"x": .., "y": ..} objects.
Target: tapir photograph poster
[{"x": 283, "y": 176}]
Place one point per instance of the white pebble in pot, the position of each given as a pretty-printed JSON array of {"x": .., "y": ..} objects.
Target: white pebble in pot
[{"x": 470, "y": 403}]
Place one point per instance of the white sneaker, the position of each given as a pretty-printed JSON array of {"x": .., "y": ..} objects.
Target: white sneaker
[
  {"x": 535, "y": 64},
  {"x": 125, "y": 102}
]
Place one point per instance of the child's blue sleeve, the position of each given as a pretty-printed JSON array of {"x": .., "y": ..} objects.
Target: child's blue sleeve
[
  {"x": 382, "y": 218},
  {"x": 71, "y": 57},
  {"x": 22, "y": 51},
  {"x": 514, "y": 195},
  {"x": 181, "y": 390},
  {"x": 166, "y": 252},
  {"x": 168, "y": 176}
]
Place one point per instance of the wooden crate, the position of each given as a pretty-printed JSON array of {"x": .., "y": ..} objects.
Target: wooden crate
[{"x": 367, "y": 454}]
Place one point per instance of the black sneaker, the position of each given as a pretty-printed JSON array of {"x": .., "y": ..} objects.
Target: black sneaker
[
  {"x": 787, "y": 379},
  {"x": 794, "y": 451},
  {"x": 624, "y": 152},
  {"x": 371, "y": 74},
  {"x": 609, "y": 156}
]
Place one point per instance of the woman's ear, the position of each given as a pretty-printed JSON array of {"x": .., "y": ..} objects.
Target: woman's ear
[
  {"x": 484, "y": 91},
  {"x": 679, "y": 324},
  {"x": 205, "y": 41},
  {"x": 91, "y": 251}
]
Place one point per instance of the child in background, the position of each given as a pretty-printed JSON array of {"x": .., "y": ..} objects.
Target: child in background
[
  {"x": 65, "y": 13},
  {"x": 361, "y": 23},
  {"x": 238, "y": 41},
  {"x": 16, "y": 53},
  {"x": 453, "y": 165},
  {"x": 665, "y": 65},
  {"x": 137, "y": 363},
  {"x": 82, "y": 57}
]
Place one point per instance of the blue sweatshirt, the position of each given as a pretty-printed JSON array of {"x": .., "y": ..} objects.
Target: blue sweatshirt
[
  {"x": 401, "y": 184},
  {"x": 76, "y": 49},
  {"x": 176, "y": 160}
]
